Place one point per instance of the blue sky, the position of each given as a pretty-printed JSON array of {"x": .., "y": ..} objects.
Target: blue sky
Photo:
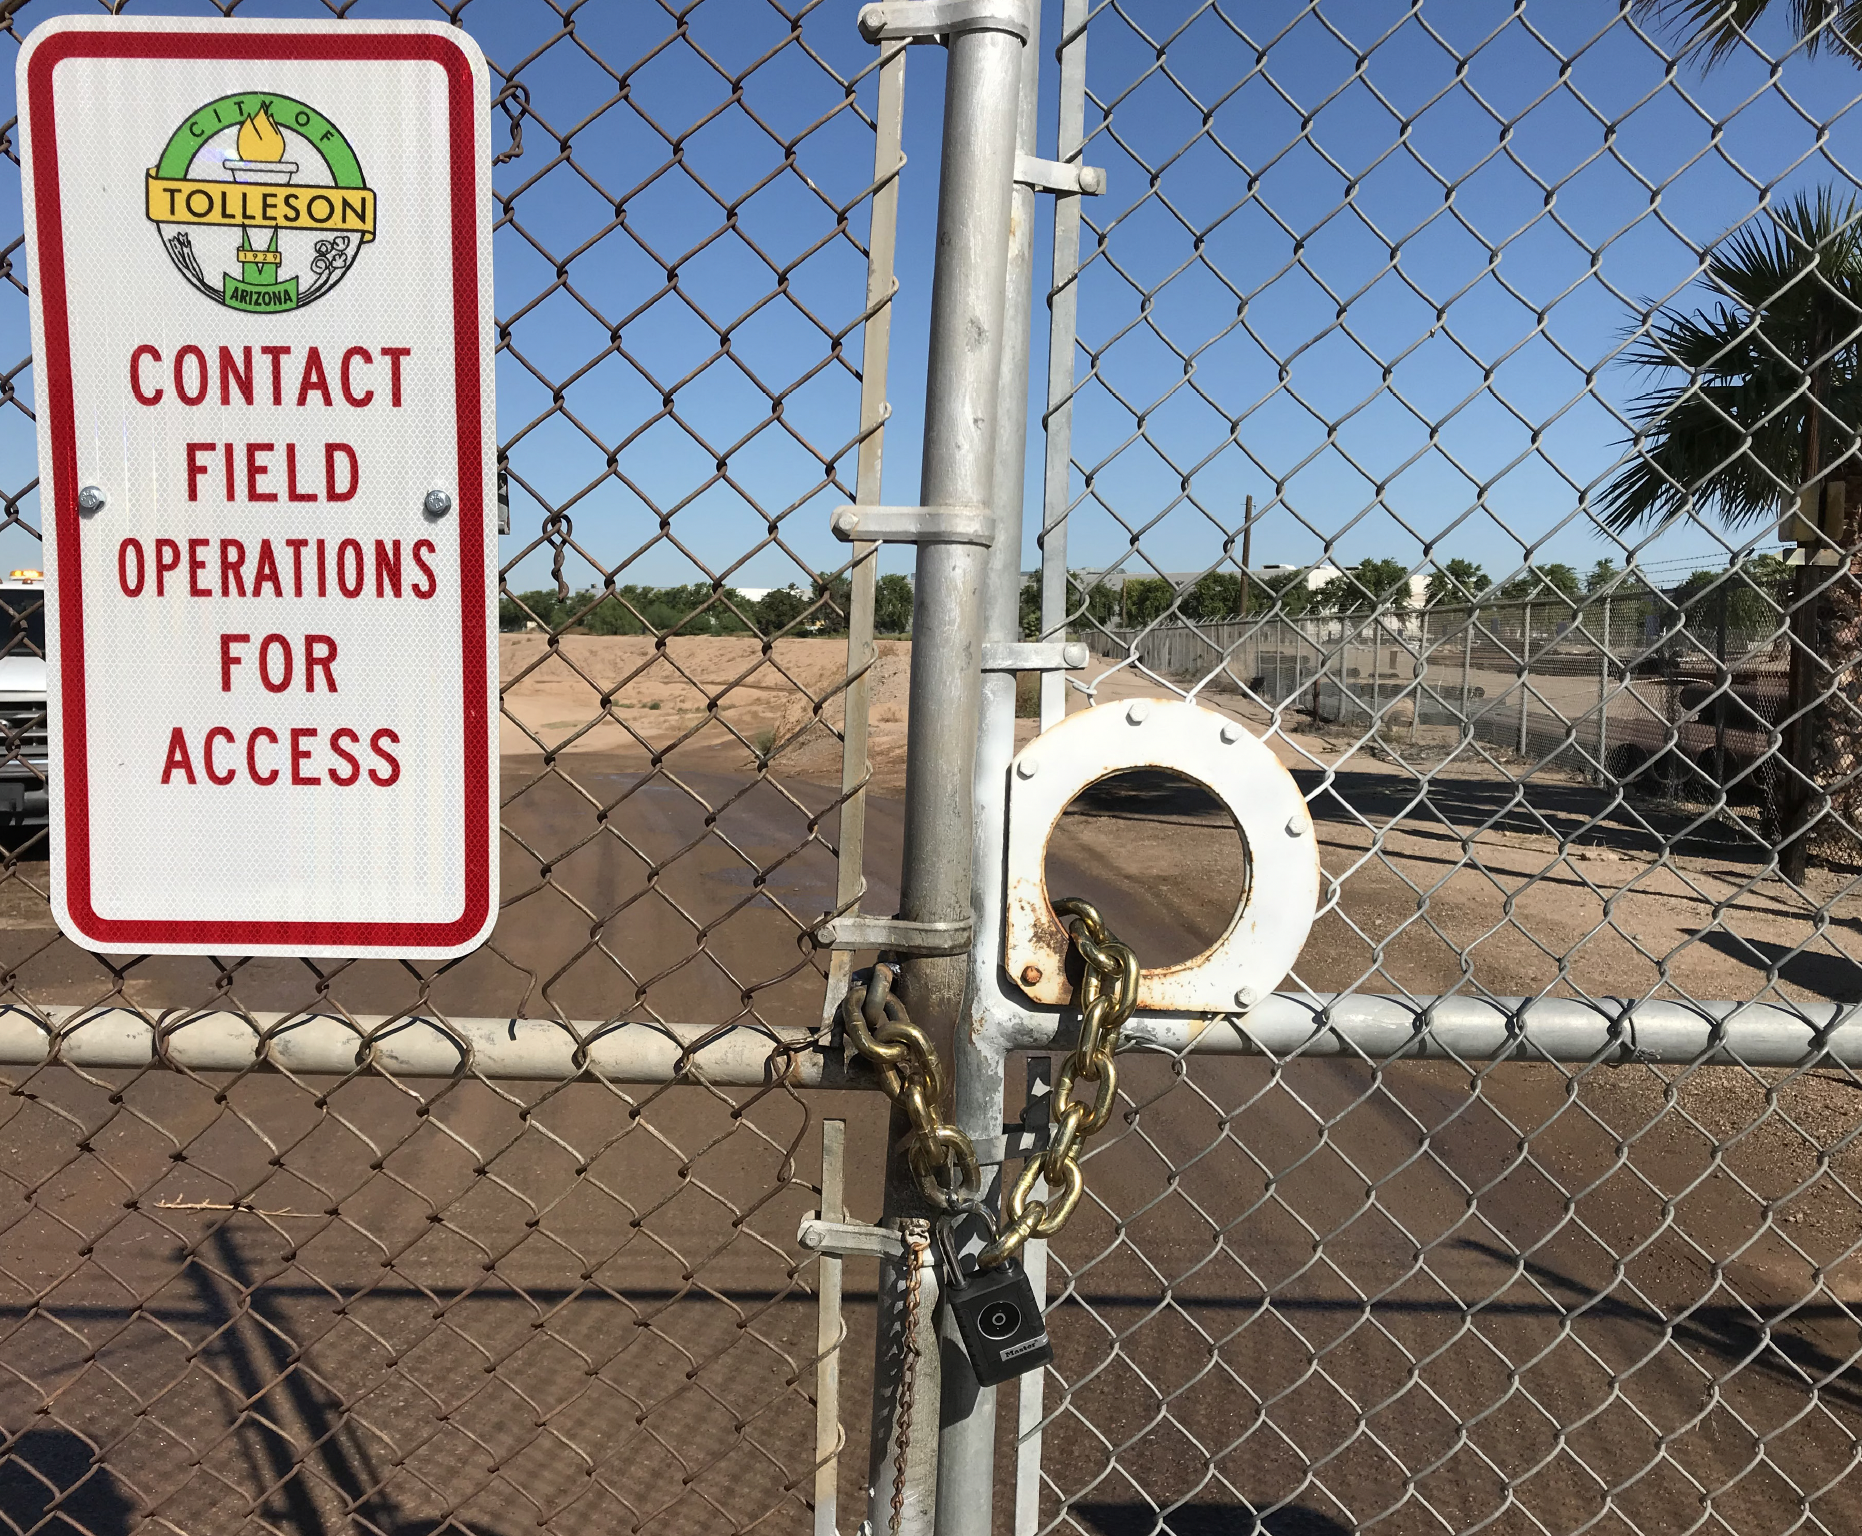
[{"x": 1451, "y": 399}]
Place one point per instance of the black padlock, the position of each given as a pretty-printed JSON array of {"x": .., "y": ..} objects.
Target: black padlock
[{"x": 1003, "y": 1331}]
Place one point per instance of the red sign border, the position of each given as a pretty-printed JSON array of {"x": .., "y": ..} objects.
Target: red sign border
[{"x": 49, "y": 275}]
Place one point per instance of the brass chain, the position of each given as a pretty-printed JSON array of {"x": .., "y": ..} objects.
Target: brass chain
[
  {"x": 1105, "y": 964},
  {"x": 941, "y": 1156}
]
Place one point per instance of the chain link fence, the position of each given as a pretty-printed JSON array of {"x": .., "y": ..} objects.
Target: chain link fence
[
  {"x": 320, "y": 1246},
  {"x": 1415, "y": 360},
  {"x": 1530, "y": 1203}
]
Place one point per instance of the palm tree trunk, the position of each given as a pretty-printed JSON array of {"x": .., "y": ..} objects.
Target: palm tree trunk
[
  {"x": 1840, "y": 711},
  {"x": 1797, "y": 784}
]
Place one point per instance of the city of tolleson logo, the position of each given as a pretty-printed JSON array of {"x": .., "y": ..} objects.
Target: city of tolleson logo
[{"x": 260, "y": 203}]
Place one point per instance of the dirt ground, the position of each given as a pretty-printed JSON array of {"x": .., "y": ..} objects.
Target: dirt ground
[
  {"x": 1518, "y": 1298},
  {"x": 719, "y": 701},
  {"x": 1441, "y": 870}
]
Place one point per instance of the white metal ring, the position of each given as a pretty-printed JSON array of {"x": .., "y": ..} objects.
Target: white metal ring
[{"x": 1270, "y": 925}]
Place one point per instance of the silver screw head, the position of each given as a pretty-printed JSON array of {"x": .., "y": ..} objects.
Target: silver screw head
[
  {"x": 437, "y": 504},
  {"x": 91, "y": 499},
  {"x": 846, "y": 521},
  {"x": 1027, "y": 768},
  {"x": 1246, "y": 997},
  {"x": 1231, "y": 733},
  {"x": 1092, "y": 180},
  {"x": 1138, "y": 711},
  {"x": 1295, "y": 827}
]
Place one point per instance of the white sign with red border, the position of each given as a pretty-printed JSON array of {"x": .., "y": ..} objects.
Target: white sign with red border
[{"x": 260, "y": 262}]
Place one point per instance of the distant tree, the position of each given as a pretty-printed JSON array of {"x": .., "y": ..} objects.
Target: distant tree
[
  {"x": 1215, "y": 597},
  {"x": 518, "y": 610},
  {"x": 1603, "y": 576},
  {"x": 778, "y": 609},
  {"x": 1093, "y": 600},
  {"x": 1284, "y": 594},
  {"x": 1144, "y": 600},
  {"x": 1556, "y": 583},
  {"x": 1380, "y": 584},
  {"x": 1457, "y": 582},
  {"x": 1755, "y": 595},
  {"x": 892, "y": 605},
  {"x": 833, "y": 601}
]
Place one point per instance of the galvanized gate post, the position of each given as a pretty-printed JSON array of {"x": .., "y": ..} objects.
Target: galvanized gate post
[
  {"x": 966, "y": 1455},
  {"x": 963, "y": 377}
]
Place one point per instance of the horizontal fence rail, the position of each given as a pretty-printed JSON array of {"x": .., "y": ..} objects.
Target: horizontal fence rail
[
  {"x": 1574, "y": 1031},
  {"x": 523, "y": 1050}
]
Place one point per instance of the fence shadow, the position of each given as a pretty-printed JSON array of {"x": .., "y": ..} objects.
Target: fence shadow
[
  {"x": 1836, "y": 977},
  {"x": 1770, "y": 1340},
  {"x": 1206, "y": 1520},
  {"x": 256, "y": 1342},
  {"x": 51, "y": 1485}
]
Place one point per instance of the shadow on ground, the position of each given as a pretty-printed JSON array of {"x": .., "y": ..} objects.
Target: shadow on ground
[
  {"x": 1833, "y": 976},
  {"x": 1206, "y": 1520},
  {"x": 51, "y": 1486}
]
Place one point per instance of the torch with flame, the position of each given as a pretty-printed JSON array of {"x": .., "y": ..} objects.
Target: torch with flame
[
  {"x": 261, "y": 152},
  {"x": 261, "y": 160}
]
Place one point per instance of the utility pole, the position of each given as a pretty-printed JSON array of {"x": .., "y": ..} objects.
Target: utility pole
[{"x": 1247, "y": 553}]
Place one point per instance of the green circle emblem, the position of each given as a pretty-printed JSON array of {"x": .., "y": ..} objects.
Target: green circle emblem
[{"x": 260, "y": 202}]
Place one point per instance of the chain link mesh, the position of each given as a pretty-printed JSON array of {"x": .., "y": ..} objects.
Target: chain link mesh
[
  {"x": 1388, "y": 290},
  {"x": 258, "y": 1300},
  {"x": 1395, "y": 324}
]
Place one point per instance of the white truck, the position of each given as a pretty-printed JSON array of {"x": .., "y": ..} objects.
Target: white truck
[{"x": 24, "y": 799}]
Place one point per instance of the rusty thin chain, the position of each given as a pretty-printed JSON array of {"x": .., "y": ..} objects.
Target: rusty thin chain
[
  {"x": 915, "y": 1236},
  {"x": 941, "y": 1156}
]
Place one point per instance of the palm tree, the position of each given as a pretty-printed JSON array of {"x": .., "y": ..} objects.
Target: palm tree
[
  {"x": 1762, "y": 396},
  {"x": 1769, "y": 389},
  {"x": 1714, "y": 28}
]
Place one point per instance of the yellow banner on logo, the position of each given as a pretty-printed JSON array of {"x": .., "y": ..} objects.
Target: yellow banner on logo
[{"x": 347, "y": 210}]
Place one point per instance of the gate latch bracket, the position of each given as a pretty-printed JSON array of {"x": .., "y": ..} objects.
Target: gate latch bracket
[
  {"x": 923, "y": 20},
  {"x": 1061, "y": 176},
  {"x": 956, "y": 524},
  {"x": 856, "y": 930},
  {"x": 849, "y": 1240},
  {"x": 1034, "y": 655}
]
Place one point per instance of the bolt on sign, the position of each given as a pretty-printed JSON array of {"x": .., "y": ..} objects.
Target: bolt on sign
[{"x": 261, "y": 307}]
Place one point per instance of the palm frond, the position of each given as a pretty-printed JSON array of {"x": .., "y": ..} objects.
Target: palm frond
[
  {"x": 1712, "y": 30},
  {"x": 1724, "y": 429}
]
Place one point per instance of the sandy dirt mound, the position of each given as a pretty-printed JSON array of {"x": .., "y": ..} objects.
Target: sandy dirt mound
[{"x": 720, "y": 698}]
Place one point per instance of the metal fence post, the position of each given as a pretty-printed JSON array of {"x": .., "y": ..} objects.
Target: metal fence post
[
  {"x": 1603, "y": 701},
  {"x": 1467, "y": 666},
  {"x": 966, "y": 1452},
  {"x": 1422, "y": 677},
  {"x": 1525, "y": 673},
  {"x": 1063, "y": 311},
  {"x": 963, "y": 378}
]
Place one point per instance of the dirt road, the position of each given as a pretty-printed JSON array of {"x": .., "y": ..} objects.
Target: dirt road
[{"x": 1397, "y": 1298}]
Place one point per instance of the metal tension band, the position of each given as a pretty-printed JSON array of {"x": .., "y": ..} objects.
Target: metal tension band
[
  {"x": 959, "y": 524},
  {"x": 910, "y": 20},
  {"x": 856, "y": 930},
  {"x": 849, "y": 1240},
  {"x": 1061, "y": 176},
  {"x": 1033, "y": 655}
]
